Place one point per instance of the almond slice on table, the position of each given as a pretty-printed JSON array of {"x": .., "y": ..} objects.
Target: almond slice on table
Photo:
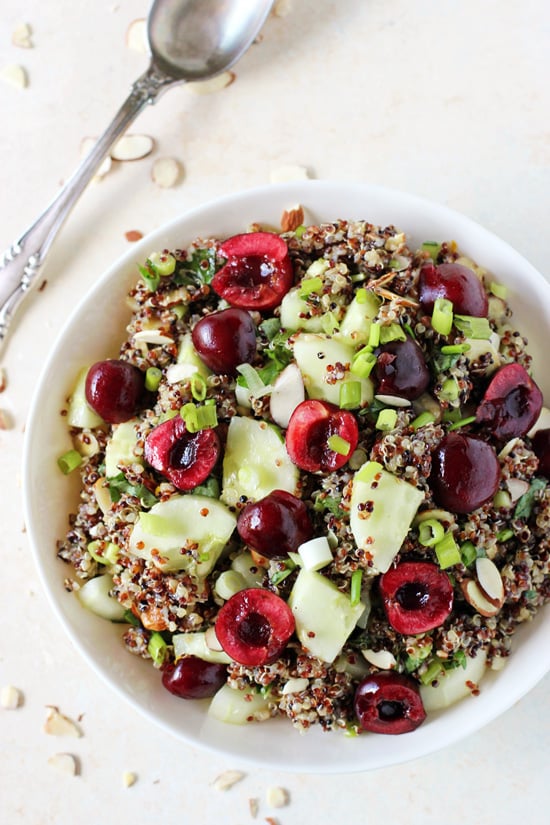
[
  {"x": 15, "y": 75},
  {"x": 136, "y": 36},
  {"x": 64, "y": 763},
  {"x": 490, "y": 580},
  {"x": 213, "y": 84},
  {"x": 227, "y": 779},
  {"x": 277, "y": 797},
  {"x": 288, "y": 173},
  {"x": 166, "y": 172},
  {"x": 22, "y": 36},
  {"x": 57, "y": 724},
  {"x": 10, "y": 697},
  {"x": 132, "y": 147}
]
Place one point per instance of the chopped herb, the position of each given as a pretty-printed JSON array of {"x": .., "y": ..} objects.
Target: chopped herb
[
  {"x": 329, "y": 504},
  {"x": 151, "y": 278},
  {"x": 199, "y": 269},
  {"x": 270, "y": 327},
  {"x": 129, "y": 618},
  {"x": 210, "y": 488},
  {"x": 525, "y": 504},
  {"x": 119, "y": 484}
]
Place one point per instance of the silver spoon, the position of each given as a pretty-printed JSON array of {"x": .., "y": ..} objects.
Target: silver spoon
[{"x": 188, "y": 40}]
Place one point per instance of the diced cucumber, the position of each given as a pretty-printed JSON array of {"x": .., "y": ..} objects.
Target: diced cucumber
[
  {"x": 382, "y": 509},
  {"x": 480, "y": 347},
  {"x": 452, "y": 685},
  {"x": 237, "y": 707},
  {"x": 296, "y": 313},
  {"x": 94, "y": 595},
  {"x": 194, "y": 644},
  {"x": 121, "y": 446},
  {"x": 187, "y": 521},
  {"x": 228, "y": 583},
  {"x": 325, "y": 365},
  {"x": 256, "y": 461},
  {"x": 355, "y": 326},
  {"x": 324, "y": 615},
  {"x": 79, "y": 413}
]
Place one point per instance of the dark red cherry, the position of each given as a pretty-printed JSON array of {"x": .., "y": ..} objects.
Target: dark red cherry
[
  {"x": 388, "y": 702},
  {"x": 511, "y": 404},
  {"x": 457, "y": 284},
  {"x": 186, "y": 459},
  {"x": 541, "y": 448},
  {"x": 225, "y": 339},
  {"x": 311, "y": 426},
  {"x": 258, "y": 272},
  {"x": 417, "y": 596},
  {"x": 401, "y": 369},
  {"x": 115, "y": 390},
  {"x": 193, "y": 678},
  {"x": 275, "y": 525},
  {"x": 254, "y": 626},
  {"x": 465, "y": 473}
]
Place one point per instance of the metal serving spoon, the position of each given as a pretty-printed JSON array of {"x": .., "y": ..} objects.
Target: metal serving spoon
[{"x": 188, "y": 40}]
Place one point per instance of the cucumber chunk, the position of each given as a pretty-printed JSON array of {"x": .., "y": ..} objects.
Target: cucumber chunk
[
  {"x": 121, "y": 446},
  {"x": 355, "y": 326},
  {"x": 451, "y": 686},
  {"x": 256, "y": 462},
  {"x": 296, "y": 313},
  {"x": 95, "y": 596},
  {"x": 324, "y": 615},
  {"x": 237, "y": 707},
  {"x": 317, "y": 357},
  {"x": 79, "y": 413},
  {"x": 381, "y": 527},
  {"x": 200, "y": 523}
]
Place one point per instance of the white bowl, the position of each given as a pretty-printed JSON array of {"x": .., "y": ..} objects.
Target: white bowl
[{"x": 95, "y": 330}]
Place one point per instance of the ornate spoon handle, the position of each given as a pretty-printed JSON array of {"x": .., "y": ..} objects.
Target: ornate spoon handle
[{"x": 22, "y": 261}]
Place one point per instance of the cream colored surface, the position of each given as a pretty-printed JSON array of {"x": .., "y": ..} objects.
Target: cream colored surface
[{"x": 449, "y": 100}]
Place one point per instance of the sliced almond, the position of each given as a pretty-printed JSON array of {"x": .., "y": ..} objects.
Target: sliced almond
[
  {"x": 277, "y": 797},
  {"x": 132, "y": 147},
  {"x": 57, "y": 724},
  {"x": 475, "y": 596},
  {"x": 212, "y": 640},
  {"x": 213, "y": 84},
  {"x": 296, "y": 685},
  {"x": 22, "y": 36},
  {"x": 490, "y": 580},
  {"x": 152, "y": 336},
  {"x": 516, "y": 487},
  {"x": 227, "y": 779},
  {"x": 128, "y": 779},
  {"x": 166, "y": 172},
  {"x": 288, "y": 174},
  {"x": 136, "y": 36},
  {"x": 292, "y": 218},
  {"x": 384, "y": 659},
  {"x": 10, "y": 697},
  {"x": 102, "y": 495},
  {"x": 86, "y": 145},
  {"x": 282, "y": 7},
  {"x": 393, "y": 400},
  {"x": 15, "y": 75},
  {"x": 64, "y": 763}
]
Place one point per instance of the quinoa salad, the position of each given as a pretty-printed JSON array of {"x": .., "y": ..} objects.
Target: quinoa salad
[{"x": 314, "y": 479}]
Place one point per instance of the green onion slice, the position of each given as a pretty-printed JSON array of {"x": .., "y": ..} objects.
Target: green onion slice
[
  {"x": 69, "y": 461},
  {"x": 350, "y": 395},
  {"x": 442, "y": 316},
  {"x": 338, "y": 444},
  {"x": 310, "y": 286},
  {"x": 430, "y": 532},
  {"x": 473, "y": 327},
  {"x": 355, "y": 587},
  {"x": 447, "y": 551},
  {"x": 422, "y": 420},
  {"x": 152, "y": 378},
  {"x": 387, "y": 419},
  {"x": 157, "y": 648},
  {"x": 198, "y": 387}
]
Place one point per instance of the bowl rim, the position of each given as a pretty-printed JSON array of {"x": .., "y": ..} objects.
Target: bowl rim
[{"x": 417, "y": 744}]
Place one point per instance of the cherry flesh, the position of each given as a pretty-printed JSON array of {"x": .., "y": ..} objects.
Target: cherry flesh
[
  {"x": 457, "y": 284},
  {"x": 114, "y": 390},
  {"x": 388, "y": 703},
  {"x": 225, "y": 339},
  {"x": 186, "y": 459},
  {"x": 401, "y": 370},
  {"x": 193, "y": 678},
  {"x": 254, "y": 626},
  {"x": 465, "y": 473},
  {"x": 311, "y": 425},
  {"x": 417, "y": 596},
  {"x": 541, "y": 448},
  {"x": 511, "y": 404},
  {"x": 275, "y": 525},
  {"x": 258, "y": 272}
]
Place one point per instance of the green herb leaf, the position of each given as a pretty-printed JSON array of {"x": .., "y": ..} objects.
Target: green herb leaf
[
  {"x": 329, "y": 504},
  {"x": 210, "y": 488},
  {"x": 119, "y": 484},
  {"x": 526, "y": 502},
  {"x": 199, "y": 269}
]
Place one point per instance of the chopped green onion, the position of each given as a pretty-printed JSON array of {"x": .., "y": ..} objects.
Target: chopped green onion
[
  {"x": 355, "y": 587},
  {"x": 422, "y": 420},
  {"x": 210, "y": 488},
  {"x": 435, "y": 669},
  {"x": 253, "y": 380},
  {"x": 329, "y": 323},
  {"x": 468, "y": 553},
  {"x": 338, "y": 444},
  {"x": 163, "y": 263},
  {"x": 363, "y": 363},
  {"x": 442, "y": 316},
  {"x": 69, "y": 461},
  {"x": 152, "y": 379},
  {"x": 455, "y": 349},
  {"x": 281, "y": 575},
  {"x": 447, "y": 551},
  {"x": 499, "y": 290},
  {"x": 430, "y": 532},
  {"x": 473, "y": 327},
  {"x": 180, "y": 310},
  {"x": 387, "y": 419},
  {"x": 374, "y": 335},
  {"x": 309, "y": 286},
  {"x": 462, "y": 422},
  {"x": 433, "y": 248},
  {"x": 452, "y": 416},
  {"x": 392, "y": 332},
  {"x": 299, "y": 231},
  {"x": 449, "y": 390},
  {"x": 157, "y": 648},
  {"x": 198, "y": 387},
  {"x": 104, "y": 552},
  {"x": 350, "y": 395},
  {"x": 129, "y": 618},
  {"x": 199, "y": 418},
  {"x": 504, "y": 535},
  {"x": 151, "y": 278}
]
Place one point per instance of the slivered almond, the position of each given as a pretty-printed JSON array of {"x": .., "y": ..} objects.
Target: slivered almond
[
  {"x": 292, "y": 218},
  {"x": 212, "y": 640},
  {"x": 64, "y": 763},
  {"x": 15, "y": 75},
  {"x": 213, "y": 84},
  {"x": 102, "y": 495},
  {"x": 227, "y": 779},
  {"x": 128, "y": 779},
  {"x": 136, "y": 36},
  {"x": 132, "y": 147},
  {"x": 490, "y": 580},
  {"x": 22, "y": 36},
  {"x": 166, "y": 172},
  {"x": 384, "y": 659},
  {"x": 516, "y": 487},
  {"x": 477, "y": 599},
  {"x": 288, "y": 173},
  {"x": 10, "y": 697},
  {"x": 152, "y": 336},
  {"x": 277, "y": 797},
  {"x": 57, "y": 724}
]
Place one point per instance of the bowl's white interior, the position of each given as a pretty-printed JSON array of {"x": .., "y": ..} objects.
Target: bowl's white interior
[{"x": 95, "y": 330}]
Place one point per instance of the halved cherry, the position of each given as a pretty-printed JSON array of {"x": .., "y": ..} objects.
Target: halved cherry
[
  {"x": 275, "y": 525},
  {"x": 311, "y": 426},
  {"x": 401, "y": 369},
  {"x": 185, "y": 458},
  {"x": 388, "y": 703},
  {"x": 541, "y": 448},
  {"x": 417, "y": 596},
  {"x": 254, "y": 626},
  {"x": 258, "y": 272},
  {"x": 511, "y": 404},
  {"x": 193, "y": 678},
  {"x": 465, "y": 473},
  {"x": 457, "y": 284}
]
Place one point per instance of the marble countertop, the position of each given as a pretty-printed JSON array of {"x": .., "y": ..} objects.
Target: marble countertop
[{"x": 448, "y": 100}]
